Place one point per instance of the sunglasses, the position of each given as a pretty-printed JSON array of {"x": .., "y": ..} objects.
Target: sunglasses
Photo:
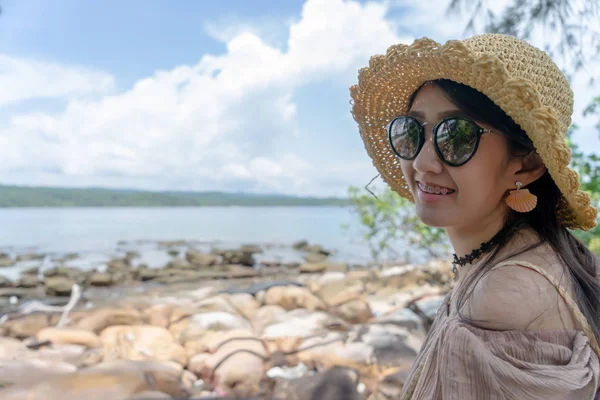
[{"x": 455, "y": 139}]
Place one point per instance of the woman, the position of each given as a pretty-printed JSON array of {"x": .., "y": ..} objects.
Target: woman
[{"x": 473, "y": 132}]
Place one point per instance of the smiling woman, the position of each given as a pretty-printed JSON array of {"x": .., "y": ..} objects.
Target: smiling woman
[{"x": 470, "y": 125}]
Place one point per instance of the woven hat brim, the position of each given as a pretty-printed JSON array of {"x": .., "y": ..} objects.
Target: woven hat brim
[{"x": 384, "y": 89}]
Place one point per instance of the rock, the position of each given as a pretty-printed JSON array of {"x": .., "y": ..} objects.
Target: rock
[
  {"x": 101, "y": 279},
  {"x": 200, "y": 259},
  {"x": 391, "y": 385},
  {"x": 69, "y": 336},
  {"x": 31, "y": 271},
  {"x": 28, "y": 281},
  {"x": 100, "y": 319},
  {"x": 322, "y": 267},
  {"x": 245, "y": 304},
  {"x": 147, "y": 274},
  {"x": 250, "y": 248},
  {"x": 208, "y": 341},
  {"x": 70, "y": 353},
  {"x": 179, "y": 263},
  {"x": 151, "y": 395},
  {"x": 5, "y": 282},
  {"x": 354, "y": 312},
  {"x": 245, "y": 258},
  {"x": 314, "y": 258},
  {"x": 132, "y": 254},
  {"x": 118, "y": 264},
  {"x": 142, "y": 342},
  {"x": 339, "y": 291},
  {"x": 30, "y": 257},
  {"x": 333, "y": 276},
  {"x": 265, "y": 316},
  {"x": 12, "y": 349},
  {"x": 291, "y": 297},
  {"x": 391, "y": 345},
  {"x": 301, "y": 323},
  {"x": 66, "y": 257},
  {"x": 63, "y": 271},
  {"x": 108, "y": 381},
  {"x": 300, "y": 245},
  {"x": 5, "y": 260},
  {"x": 58, "y": 286},
  {"x": 159, "y": 314},
  {"x": 173, "y": 252},
  {"x": 16, "y": 372},
  {"x": 198, "y": 323},
  {"x": 240, "y": 373},
  {"x": 334, "y": 384},
  {"x": 27, "y": 326}
]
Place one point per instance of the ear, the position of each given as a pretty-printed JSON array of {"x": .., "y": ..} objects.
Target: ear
[{"x": 531, "y": 169}]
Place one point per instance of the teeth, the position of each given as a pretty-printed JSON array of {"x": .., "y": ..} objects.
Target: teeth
[{"x": 434, "y": 189}]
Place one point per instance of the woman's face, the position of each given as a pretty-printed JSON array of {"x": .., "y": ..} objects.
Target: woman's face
[{"x": 477, "y": 188}]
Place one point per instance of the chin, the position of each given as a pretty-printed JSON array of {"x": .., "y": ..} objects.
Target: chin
[{"x": 432, "y": 218}]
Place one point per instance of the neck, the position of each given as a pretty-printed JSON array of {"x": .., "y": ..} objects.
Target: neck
[{"x": 466, "y": 239}]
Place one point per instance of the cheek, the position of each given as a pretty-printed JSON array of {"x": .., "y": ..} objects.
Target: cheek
[
  {"x": 408, "y": 172},
  {"x": 480, "y": 184}
]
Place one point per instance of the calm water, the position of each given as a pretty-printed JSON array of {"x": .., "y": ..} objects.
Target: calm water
[{"x": 98, "y": 233}]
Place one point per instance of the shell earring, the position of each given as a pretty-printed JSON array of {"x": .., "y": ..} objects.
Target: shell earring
[{"x": 521, "y": 200}]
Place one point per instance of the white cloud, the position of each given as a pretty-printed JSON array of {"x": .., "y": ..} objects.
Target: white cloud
[
  {"x": 25, "y": 79},
  {"x": 213, "y": 122}
]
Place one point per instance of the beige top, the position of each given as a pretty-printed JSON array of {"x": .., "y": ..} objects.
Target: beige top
[{"x": 459, "y": 361}]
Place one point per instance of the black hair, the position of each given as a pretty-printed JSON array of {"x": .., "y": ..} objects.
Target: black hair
[{"x": 577, "y": 260}]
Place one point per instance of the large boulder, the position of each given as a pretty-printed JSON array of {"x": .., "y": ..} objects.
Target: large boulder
[
  {"x": 100, "y": 319},
  {"x": 141, "y": 342},
  {"x": 323, "y": 267},
  {"x": 69, "y": 336},
  {"x": 27, "y": 326},
  {"x": 118, "y": 264},
  {"x": 5, "y": 260},
  {"x": 59, "y": 286},
  {"x": 240, "y": 257},
  {"x": 5, "y": 282},
  {"x": 119, "y": 380},
  {"x": 30, "y": 257},
  {"x": 61, "y": 270},
  {"x": 200, "y": 259},
  {"x": 239, "y": 375},
  {"x": 28, "y": 281},
  {"x": 101, "y": 279},
  {"x": 179, "y": 263},
  {"x": 292, "y": 297},
  {"x": 32, "y": 371}
]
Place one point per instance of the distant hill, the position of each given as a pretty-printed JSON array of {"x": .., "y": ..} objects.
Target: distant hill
[{"x": 28, "y": 196}]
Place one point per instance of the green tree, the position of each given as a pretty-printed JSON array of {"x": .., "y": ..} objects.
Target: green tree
[{"x": 389, "y": 220}]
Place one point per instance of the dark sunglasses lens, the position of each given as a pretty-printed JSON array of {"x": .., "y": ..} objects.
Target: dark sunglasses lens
[
  {"x": 456, "y": 140},
  {"x": 404, "y": 137}
]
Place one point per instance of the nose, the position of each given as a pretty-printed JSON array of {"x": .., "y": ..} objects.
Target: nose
[{"x": 427, "y": 161}]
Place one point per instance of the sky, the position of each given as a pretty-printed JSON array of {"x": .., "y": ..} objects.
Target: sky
[{"x": 222, "y": 95}]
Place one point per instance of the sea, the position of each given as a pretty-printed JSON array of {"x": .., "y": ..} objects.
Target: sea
[{"x": 99, "y": 234}]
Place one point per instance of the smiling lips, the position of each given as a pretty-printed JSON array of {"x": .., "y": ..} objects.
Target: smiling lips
[{"x": 434, "y": 189}]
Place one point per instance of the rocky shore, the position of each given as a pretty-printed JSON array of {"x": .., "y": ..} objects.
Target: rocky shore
[{"x": 212, "y": 325}]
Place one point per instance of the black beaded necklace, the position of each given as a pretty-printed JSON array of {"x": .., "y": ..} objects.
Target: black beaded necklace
[{"x": 485, "y": 247}]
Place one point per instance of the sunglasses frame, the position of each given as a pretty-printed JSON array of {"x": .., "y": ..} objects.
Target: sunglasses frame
[{"x": 480, "y": 131}]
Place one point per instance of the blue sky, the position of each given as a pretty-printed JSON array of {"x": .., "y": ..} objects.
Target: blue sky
[{"x": 198, "y": 95}]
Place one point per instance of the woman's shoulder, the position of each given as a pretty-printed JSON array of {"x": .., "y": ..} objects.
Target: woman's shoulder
[{"x": 522, "y": 293}]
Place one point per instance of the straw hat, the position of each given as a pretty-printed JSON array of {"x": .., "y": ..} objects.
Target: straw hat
[{"x": 521, "y": 79}]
